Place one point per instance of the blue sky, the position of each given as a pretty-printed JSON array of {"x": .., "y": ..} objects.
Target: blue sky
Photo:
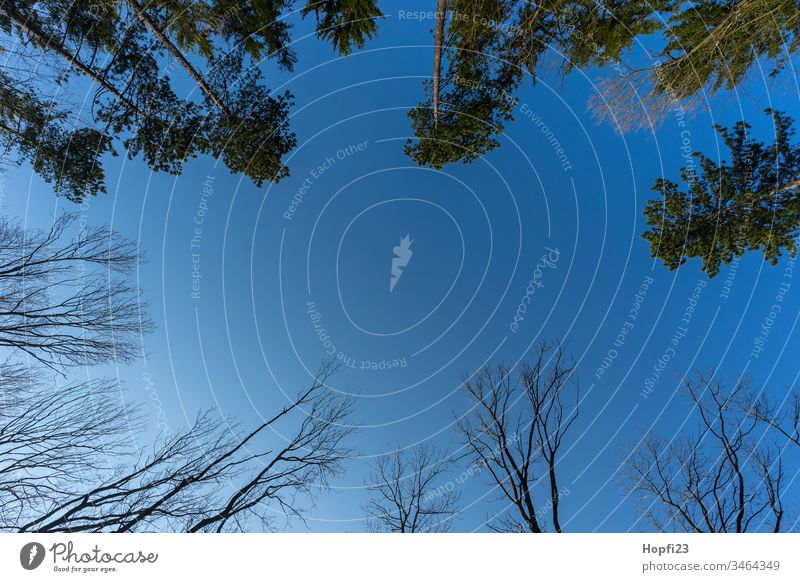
[{"x": 273, "y": 272}]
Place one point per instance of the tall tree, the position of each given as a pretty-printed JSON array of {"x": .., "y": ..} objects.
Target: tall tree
[
  {"x": 124, "y": 53},
  {"x": 40, "y": 134},
  {"x": 708, "y": 46},
  {"x": 438, "y": 49},
  {"x": 65, "y": 294},
  {"x": 53, "y": 437},
  {"x": 724, "y": 478},
  {"x": 516, "y": 428},
  {"x": 408, "y": 495},
  {"x": 489, "y": 46},
  {"x": 748, "y": 203},
  {"x": 64, "y": 470},
  {"x": 175, "y": 52},
  {"x": 346, "y": 24}
]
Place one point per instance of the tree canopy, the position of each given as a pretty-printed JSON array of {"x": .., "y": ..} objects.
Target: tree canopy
[
  {"x": 748, "y": 203},
  {"x": 713, "y": 44},
  {"x": 127, "y": 52},
  {"x": 489, "y": 49},
  {"x": 705, "y": 47}
]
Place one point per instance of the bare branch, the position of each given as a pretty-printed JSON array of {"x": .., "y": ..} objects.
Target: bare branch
[
  {"x": 67, "y": 300},
  {"x": 518, "y": 424},
  {"x": 724, "y": 478},
  {"x": 210, "y": 477},
  {"x": 406, "y": 498}
]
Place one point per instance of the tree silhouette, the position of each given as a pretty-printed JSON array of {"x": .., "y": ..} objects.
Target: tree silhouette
[
  {"x": 407, "y": 494},
  {"x": 64, "y": 470},
  {"x": 66, "y": 299},
  {"x": 516, "y": 427},
  {"x": 725, "y": 478},
  {"x": 52, "y": 438},
  {"x": 783, "y": 417}
]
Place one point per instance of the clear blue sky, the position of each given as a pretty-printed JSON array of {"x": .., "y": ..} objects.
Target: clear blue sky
[{"x": 247, "y": 339}]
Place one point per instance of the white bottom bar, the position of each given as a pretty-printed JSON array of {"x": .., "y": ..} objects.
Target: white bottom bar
[{"x": 371, "y": 557}]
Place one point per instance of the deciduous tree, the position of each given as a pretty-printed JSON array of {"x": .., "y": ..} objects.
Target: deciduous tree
[
  {"x": 66, "y": 297},
  {"x": 409, "y": 494},
  {"x": 64, "y": 466},
  {"x": 724, "y": 478},
  {"x": 516, "y": 427}
]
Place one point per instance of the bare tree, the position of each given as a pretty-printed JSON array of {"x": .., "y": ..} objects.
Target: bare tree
[
  {"x": 517, "y": 425},
  {"x": 724, "y": 478},
  {"x": 784, "y": 417},
  {"x": 210, "y": 477},
  {"x": 66, "y": 299},
  {"x": 406, "y": 497},
  {"x": 52, "y": 437}
]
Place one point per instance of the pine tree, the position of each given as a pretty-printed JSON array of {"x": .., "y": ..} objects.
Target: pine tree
[
  {"x": 127, "y": 51},
  {"x": 491, "y": 46},
  {"x": 713, "y": 44},
  {"x": 708, "y": 46},
  {"x": 37, "y": 130},
  {"x": 749, "y": 203}
]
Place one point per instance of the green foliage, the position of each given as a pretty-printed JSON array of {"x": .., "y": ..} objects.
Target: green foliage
[
  {"x": 749, "y": 203},
  {"x": 254, "y": 138},
  {"x": 469, "y": 120},
  {"x": 255, "y": 25},
  {"x": 599, "y": 33},
  {"x": 708, "y": 46},
  {"x": 130, "y": 57},
  {"x": 474, "y": 102},
  {"x": 493, "y": 44},
  {"x": 714, "y": 43},
  {"x": 261, "y": 28},
  {"x": 344, "y": 23}
]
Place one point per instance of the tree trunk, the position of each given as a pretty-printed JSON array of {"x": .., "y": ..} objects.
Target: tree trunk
[
  {"x": 551, "y": 464},
  {"x": 789, "y": 186},
  {"x": 441, "y": 9},
  {"x": 164, "y": 41},
  {"x": 50, "y": 43}
]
